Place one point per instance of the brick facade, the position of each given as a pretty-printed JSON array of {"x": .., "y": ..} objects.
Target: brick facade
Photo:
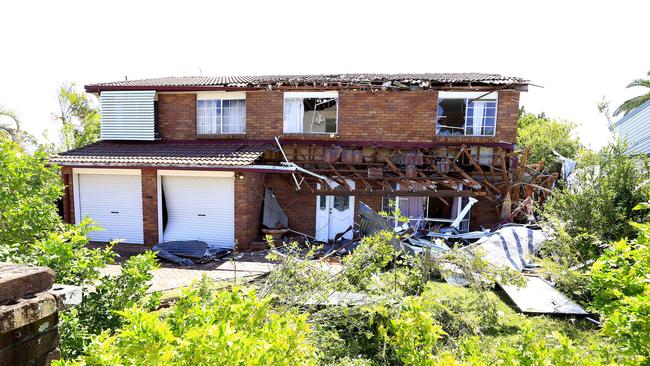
[
  {"x": 68, "y": 195},
  {"x": 150, "y": 205},
  {"x": 249, "y": 193},
  {"x": 407, "y": 116},
  {"x": 177, "y": 116}
]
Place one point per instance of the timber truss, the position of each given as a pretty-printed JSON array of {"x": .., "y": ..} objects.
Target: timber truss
[{"x": 491, "y": 170}]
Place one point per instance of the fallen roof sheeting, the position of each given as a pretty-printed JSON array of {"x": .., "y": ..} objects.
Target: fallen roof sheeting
[{"x": 540, "y": 297}]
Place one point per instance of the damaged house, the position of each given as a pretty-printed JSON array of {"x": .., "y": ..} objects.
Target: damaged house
[{"x": 191, "y": 158}]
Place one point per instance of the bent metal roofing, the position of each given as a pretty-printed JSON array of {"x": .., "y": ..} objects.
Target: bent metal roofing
[
  {"x": 162, "y": 154},
  {"x": 424, "y": 80}
]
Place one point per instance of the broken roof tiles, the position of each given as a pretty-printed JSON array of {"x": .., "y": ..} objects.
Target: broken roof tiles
[
  {"x": 163, "y": 153},
  {"x": 423, "y": 80}
]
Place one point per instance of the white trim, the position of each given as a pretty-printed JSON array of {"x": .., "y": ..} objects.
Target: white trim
[
  {"x": 208, "y": 95},
  {"x": 196, "y": 173},
  {"x": 160, "y": 204},
  {"x": 106, "y": 171},
  {"x": 467, "y": 95},
  {"x": 323, "y": 94}
]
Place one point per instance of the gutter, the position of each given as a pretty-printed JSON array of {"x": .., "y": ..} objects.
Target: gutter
[{"x": 229, "y": 168}]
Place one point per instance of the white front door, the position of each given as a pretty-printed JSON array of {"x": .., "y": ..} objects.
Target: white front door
[
  {"x": 199, "y": 208},
  {"x": 114, "y": 202},
  {"x": 334, "y": 214}
]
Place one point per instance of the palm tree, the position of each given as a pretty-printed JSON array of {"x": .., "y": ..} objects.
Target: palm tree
[
  {"x": 9, "y": 125},
  {"x": 632, "y": 104}
]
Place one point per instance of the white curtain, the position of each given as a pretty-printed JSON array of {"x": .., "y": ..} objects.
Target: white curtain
[
  {"x": 294, "y": 110},
  {"x": 477, "y": 119}
]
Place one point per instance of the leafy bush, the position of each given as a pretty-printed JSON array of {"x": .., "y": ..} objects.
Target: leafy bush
[
  {"x": 28, "y": 193},
  {"x": 620, "y": 283},
  {"x": 229, "y": 327},
  {"x": 598, "y": 207},
  {"x": 99, "y": 309}
]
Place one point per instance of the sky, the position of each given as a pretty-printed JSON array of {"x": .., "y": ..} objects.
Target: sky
[{"x": 577, "y": 52}]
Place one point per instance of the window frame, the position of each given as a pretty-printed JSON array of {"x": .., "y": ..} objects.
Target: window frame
[
  {"x": 310, "y": 95},
  {"x": 469, "y": 97},
  {"x": 220, "y": 119}
]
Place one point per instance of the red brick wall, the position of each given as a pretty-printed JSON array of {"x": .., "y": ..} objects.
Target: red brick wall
[
  {"x": 68, "y": 195},
  {"x": 177, "y": 116},
  {"x": 150, "y": 205},
  {"x": 249, "y": 193},
  {"x": 363, "y": 115}
]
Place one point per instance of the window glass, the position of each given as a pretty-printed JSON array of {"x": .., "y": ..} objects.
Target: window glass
[
  {"x": 310, "y": 115},
  {"x": 463, "y": 116},
  {"x": 221, "y": 116},
  {"x": 341, "y": 203}
]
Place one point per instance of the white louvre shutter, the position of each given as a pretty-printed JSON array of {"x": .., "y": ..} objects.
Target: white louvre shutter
[{"x": 127, "y": 115}]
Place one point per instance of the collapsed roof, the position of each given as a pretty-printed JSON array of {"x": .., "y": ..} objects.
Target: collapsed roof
[{"x": 343, "y": 81}]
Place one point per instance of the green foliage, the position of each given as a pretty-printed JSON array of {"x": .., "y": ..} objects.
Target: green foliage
[
  {"x": 99, "y": 310},
  {"x": 66, "y": 252},
  {"x": 228, "y": 327},
  {"x": 620, "y": 282},
  {"x": 28, "y": 193},
  {"x": 634, "y": 103},
  {"x": 371, "y": 256},
  {"x": 79, "y": 118},
  {"x": 599, "y": 206},
  {"x": 542, "y": 136}
]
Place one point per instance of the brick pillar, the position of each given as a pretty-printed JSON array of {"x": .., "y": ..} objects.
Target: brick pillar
[
  {"x": 150, "y": 205},
  {"x": 29, "y": 306},
  {"x": 68, "y": 195},
  {"x": 249, "y": 193}
]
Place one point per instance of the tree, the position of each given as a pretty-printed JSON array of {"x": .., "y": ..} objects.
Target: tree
[
  {"x": 79, "y": 118},
  {"x": 542, "y": 136},
  {"x": 632, "y": 104},
  {"x": 9, "y": 124}
]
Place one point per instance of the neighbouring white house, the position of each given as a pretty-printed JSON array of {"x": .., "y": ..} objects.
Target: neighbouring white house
[{"x": 635, "y": 128}]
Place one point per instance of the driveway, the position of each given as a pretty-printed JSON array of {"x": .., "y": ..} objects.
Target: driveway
[{"x": 171, "y": 276}]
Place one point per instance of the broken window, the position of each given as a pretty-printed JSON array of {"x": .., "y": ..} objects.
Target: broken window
[
  {"x": 469, "y": 114},
  {"x": 310, "y": 112},
  {"x": 217, "y": 116}
]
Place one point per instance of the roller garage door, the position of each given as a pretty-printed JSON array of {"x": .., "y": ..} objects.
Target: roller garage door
[
  {"x": 114, "y": 202},
  {"x": 199, "y": 208}
]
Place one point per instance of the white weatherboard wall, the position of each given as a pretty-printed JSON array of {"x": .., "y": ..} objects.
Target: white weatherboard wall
[
  {"x": 635, "y": 128},
  {"x": 199, "y": 207},
  {"x": 113, "y": 201},
  {"x": 127, "y": 115}
]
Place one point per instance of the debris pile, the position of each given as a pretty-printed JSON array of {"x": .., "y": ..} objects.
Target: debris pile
[{"x": 189, "y": 252}]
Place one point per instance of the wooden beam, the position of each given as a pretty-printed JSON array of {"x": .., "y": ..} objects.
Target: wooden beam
[{"x": 400, "y": 193}]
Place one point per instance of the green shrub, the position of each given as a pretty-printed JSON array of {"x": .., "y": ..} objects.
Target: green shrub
[
  {"x": 620, "y": 283},
  {"x": 229, "y": 327},
  {"x": 99, "y": 310},
  {"x": 542, "y": 136}
]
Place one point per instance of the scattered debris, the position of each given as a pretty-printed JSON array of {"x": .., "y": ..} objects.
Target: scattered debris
[
  {"x": 540, "y": 297},
  {"x": 189, "y": 252},
  {"x": 274, "y": 217}
]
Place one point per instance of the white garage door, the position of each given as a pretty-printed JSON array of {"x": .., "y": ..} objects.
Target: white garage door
[
  {"x": 200, "y": 208},
  {"x": 114, "y": 202}
]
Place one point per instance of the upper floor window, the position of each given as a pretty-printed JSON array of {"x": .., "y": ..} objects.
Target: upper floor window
[
  {"x": 311, "y": 112},
  {"x": 466, "y": 113},
  {"x": 217, "y": 116}
]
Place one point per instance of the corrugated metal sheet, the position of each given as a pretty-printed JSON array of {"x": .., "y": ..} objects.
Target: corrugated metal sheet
[
  {"x": 635, "y": 128},
  {"x": 114, "y": 202},
  {"x": 127, "y": 115},
  {"x": 200, "y": 208}
]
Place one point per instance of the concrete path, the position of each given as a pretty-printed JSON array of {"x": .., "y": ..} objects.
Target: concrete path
[{"x": 169, "y": 277}]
